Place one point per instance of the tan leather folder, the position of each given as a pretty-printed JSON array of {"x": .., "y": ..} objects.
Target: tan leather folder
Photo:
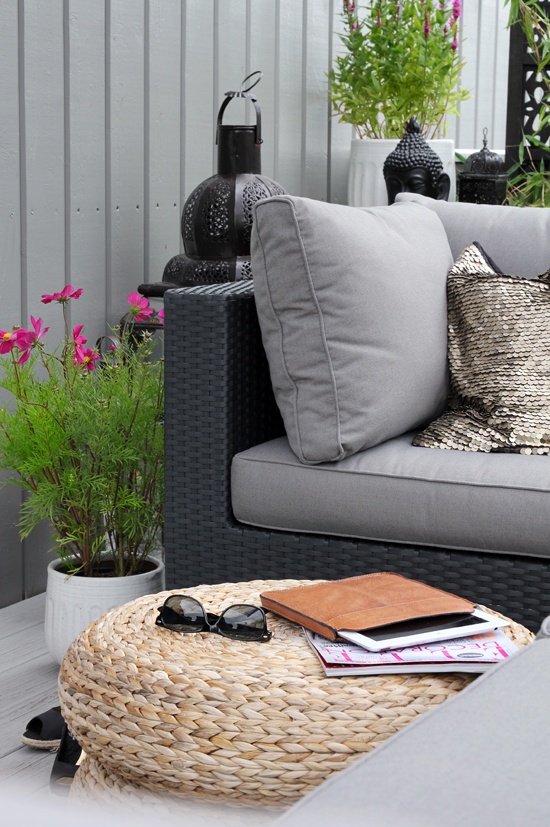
[{"x": 363, "y": 602}]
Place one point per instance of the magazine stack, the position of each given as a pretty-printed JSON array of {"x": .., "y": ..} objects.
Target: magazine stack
[{"x": 383, "y": 623}]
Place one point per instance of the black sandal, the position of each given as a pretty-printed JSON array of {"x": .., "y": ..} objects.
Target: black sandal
[
  {"x": 44, "y": 731},
  {"x": 66, "y": 763}
]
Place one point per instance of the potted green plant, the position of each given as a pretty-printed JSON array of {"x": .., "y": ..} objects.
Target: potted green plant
[
  {"x": 401, "y": 59},
  {"x": 82, "y": 430}
]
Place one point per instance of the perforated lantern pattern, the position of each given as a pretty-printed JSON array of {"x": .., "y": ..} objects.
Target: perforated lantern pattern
[
  {"x": 483, "y": 179},
  {"x": 217, "y": 218}
]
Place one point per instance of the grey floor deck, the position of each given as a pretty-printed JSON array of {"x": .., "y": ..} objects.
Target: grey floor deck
[{"x": 28, "y": 686}]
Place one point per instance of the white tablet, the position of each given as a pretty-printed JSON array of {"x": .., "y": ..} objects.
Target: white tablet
[{"x": 424, "y": 630}]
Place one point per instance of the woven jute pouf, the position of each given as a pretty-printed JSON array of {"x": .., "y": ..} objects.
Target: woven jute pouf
[
  {"x": 202, "y": 715},
  {"x": 95, "y": 785}
]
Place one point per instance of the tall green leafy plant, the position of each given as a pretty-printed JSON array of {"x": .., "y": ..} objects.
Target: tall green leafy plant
[
  {"x": 529, "y": 182},
  {"x": 83, "y": 432},
  {"x": 401, "y": 59}
]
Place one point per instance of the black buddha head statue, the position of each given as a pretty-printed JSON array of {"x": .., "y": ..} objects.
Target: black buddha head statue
[{"x": 413, "y": 166}]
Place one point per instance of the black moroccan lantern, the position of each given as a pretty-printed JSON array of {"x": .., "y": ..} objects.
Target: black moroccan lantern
[
  {"x": 483, "y": 179},
  {"x": 216, "y": 222}
]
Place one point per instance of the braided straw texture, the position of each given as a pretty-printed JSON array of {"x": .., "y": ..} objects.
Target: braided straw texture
[
  {"x": 202, "y": 715},
  {"x": 97, "y": 786}
]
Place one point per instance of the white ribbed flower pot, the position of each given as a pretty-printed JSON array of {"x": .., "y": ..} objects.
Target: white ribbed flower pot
[
  {"x": 74, "y": 602},
  {"x": 366, "y": 184}
]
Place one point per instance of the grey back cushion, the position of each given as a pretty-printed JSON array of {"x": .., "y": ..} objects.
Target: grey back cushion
[
  {"x": 352, "y": 309},
  {"x": 518, "y": 238}
]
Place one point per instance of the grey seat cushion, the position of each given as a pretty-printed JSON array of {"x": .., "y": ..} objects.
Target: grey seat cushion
[
  {"x": 518, "y": 238},
  {"x": 479, "y": 759},
  {"x": 395, "y": 492},
  {"x": 352, "y": 308}
]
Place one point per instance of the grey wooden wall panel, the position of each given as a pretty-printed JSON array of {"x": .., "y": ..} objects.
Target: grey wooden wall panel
[
  {"x": 42, "y": 101},
  {"x": 162, "y": 138},
  {"x": 262, "y": 54},
  {"x": 198, "y": 127},
  {"x": 107, "y": 123},
  {"x": 10, "y": 233},
  {"x": 483, "y": 103},
  {"x": 315, "y": 109},
  {"x": 126, "y": 82},
  {"x": 11, "y": 572},
  {"x": 289, "y": 124},
  {"x": 484, "y": 47},
  {"x": 44, "y": 182},
  {"x": 232, "y": 37},
  {"x": 497, "y": 79},
  {"x": 85, "y": 228},
  {"x": 340, "y": 134}
]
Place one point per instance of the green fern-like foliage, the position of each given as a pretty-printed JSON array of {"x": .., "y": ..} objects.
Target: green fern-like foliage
[
  {"x": 87, "y": 447},
  {"x": 529, "y": 179},
  {"x": 400, "y": 60}
]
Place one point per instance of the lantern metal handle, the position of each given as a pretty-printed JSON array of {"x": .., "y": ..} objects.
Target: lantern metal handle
[
  {"x": 252, "y": 85},
  {"x": 245, "y": 93}
]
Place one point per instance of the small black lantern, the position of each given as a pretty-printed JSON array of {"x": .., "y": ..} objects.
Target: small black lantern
[
  {"x": 216, "y": 221},
  {"x": 483, "y": 179}
]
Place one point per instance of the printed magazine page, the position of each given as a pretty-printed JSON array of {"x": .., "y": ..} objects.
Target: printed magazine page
[{"x": 467, "y": 654}]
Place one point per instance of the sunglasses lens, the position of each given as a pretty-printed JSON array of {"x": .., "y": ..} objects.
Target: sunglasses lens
[
  {"x": 242, "y": 622},
  {"x": 183, "y": 614}
]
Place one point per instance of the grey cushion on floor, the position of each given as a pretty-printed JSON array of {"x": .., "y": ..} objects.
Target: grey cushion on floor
[
  {"x": 517, "y": 238},
  {"x": 480, "y": 759},
  {"x": 352, "y": 308},
  {"x": 399, "y": 493}
]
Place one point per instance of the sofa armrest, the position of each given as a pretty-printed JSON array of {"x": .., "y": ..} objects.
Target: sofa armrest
[
  {"x": 480, "y": 758},
  {"x": 218, "y": 402}
]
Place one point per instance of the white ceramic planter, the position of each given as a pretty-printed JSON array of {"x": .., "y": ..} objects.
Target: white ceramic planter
[
  {"x": 366, "y": 184},
  {"x": 74, "y": 602}
]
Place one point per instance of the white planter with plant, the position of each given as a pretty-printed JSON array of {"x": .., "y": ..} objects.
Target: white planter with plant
[
  {"x": 73, "y": 602},
  {"x": 83, "y": 433},
  {"x": 401, "y": 61}
]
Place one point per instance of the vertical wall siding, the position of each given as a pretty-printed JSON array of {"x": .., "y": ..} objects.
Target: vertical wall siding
[
  {"x": 484, "y": 48},
  {"x": 107, "y": 123}
]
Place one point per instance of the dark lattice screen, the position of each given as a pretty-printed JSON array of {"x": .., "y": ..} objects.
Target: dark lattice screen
[{"x": 525, "y": 92}]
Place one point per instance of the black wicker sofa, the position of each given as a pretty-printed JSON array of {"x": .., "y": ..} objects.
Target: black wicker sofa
[{"x": 219, "y": 402}]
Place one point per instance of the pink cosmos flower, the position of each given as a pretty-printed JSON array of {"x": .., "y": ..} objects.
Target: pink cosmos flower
[
  {"x": 86, "y": 358},
  {"x": 8, "y": 340},
  {"x": 78, "y": 340},
  {"x": 139, "y": 307},
  {"x": 160, "y": 314},
  {"x": 27, "y": 339},
  {"x": 62, "y": 297}
]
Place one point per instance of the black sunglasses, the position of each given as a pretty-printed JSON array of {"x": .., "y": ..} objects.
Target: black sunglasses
[{"x": 180, "y": 613}]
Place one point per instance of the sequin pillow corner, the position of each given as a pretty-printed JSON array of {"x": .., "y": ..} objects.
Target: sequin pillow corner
[{"x": 499, "y": 361}]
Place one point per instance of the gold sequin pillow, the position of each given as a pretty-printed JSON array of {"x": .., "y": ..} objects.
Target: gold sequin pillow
[{"x": 499, "y": 361}]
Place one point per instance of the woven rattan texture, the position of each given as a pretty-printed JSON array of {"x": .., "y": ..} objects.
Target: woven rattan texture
[
  {"x": 202, "y": 715},
  {"x": 218, "y": 402},
  {"x": 97, "y": 786}
]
